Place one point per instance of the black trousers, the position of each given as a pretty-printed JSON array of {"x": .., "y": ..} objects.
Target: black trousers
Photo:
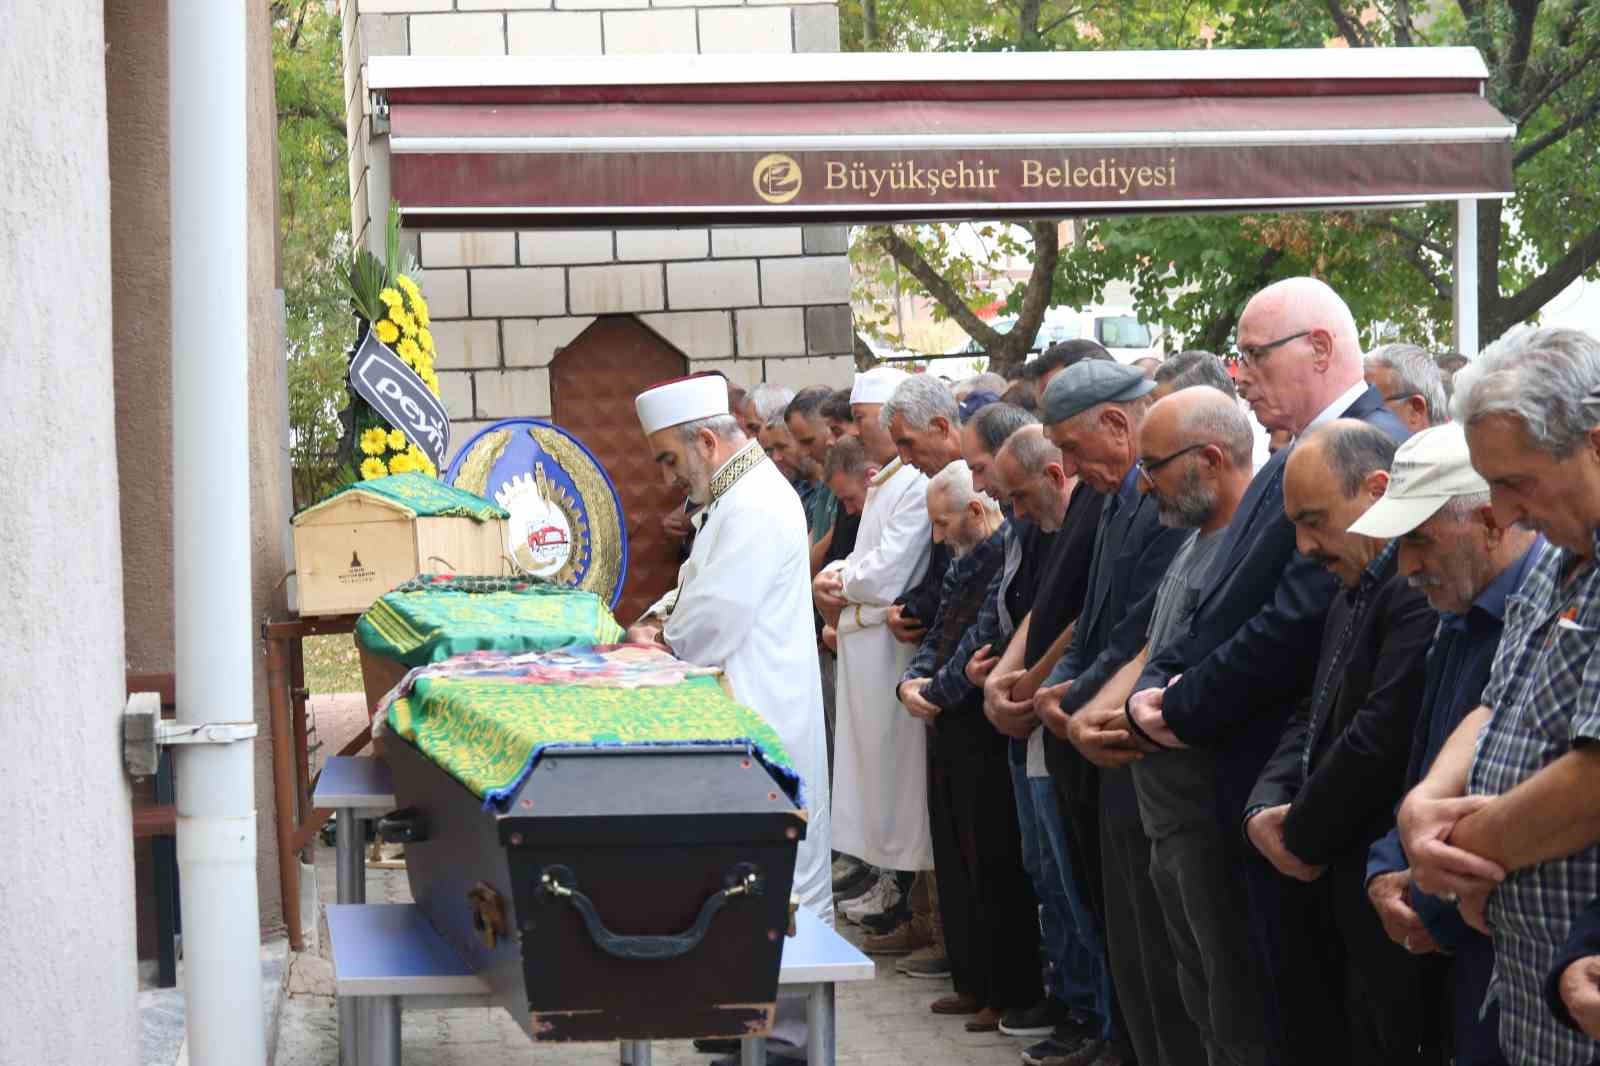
[
  {"x": 990, "y": 914},
  {"x": 1345, "y": 992},
  {"x": 1144, "y": 969}
]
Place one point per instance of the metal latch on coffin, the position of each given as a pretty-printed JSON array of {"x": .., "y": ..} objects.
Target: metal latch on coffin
[{"x": 145, "y": 733}]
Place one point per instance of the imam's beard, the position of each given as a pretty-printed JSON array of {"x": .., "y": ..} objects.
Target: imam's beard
[
  {"x": 1189, "y": 507},
  {"x": 697, "y": 472}
]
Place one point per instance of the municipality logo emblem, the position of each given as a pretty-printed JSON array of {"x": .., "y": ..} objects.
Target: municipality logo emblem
[{"x": 777, "y": 178}]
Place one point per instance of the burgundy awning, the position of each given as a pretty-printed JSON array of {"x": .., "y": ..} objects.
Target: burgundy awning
[{"x": 715, "y": 144}]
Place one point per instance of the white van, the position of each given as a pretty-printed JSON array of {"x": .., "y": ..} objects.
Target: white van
[{"x": 1117, "y": 328}]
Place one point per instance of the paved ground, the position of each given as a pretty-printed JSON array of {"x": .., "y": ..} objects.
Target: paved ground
[{"x": 881, "y": 1023}]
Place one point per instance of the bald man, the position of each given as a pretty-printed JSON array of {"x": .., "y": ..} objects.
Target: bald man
[{"x": 1248, "y": 653}]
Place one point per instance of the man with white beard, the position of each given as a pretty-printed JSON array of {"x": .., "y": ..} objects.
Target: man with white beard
[{"x": 743, "y": 597}]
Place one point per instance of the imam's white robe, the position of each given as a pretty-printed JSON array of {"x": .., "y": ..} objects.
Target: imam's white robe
[
  {"x": 743, "y": 604},
  {"x": 880, "y": 765}
]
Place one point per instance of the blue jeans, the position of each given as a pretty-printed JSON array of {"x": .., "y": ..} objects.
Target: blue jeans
[{"x": 1078, "y": 974}]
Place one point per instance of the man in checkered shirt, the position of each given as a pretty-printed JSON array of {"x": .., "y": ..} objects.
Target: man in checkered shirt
[{"x": 1508, "y": 819}]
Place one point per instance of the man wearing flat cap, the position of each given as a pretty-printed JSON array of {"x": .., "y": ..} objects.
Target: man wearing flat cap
[
  {"x": 1093, "y": 411},
  {"x": 1468, "y": 565},
  {"x": 743, "y": 601}
]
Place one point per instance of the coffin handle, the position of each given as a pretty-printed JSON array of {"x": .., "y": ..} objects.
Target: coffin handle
[{"x": 559, "y": 882}]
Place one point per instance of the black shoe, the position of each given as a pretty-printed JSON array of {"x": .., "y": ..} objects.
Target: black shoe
[
  {"x": 1054, "y": 1052},
  {"x": 1075, "y": 1028},
  {"x": 862, "y": 877},
  {"x": 1040, "y": 1019},
  {"x": 887, "y": 922},
  {"x": 717, "y": 1045}
]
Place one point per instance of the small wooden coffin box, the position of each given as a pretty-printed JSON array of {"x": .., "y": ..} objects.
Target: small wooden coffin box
[
  {"x": 625, "y": 894},
  {"x": 355, "y": 546}
]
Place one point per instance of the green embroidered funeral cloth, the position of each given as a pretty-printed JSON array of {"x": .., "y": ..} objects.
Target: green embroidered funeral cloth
[
  {"x": 432, "y": 618},
  {"x": 423, "y": 496},
  {"x": 487, "y": 718}
]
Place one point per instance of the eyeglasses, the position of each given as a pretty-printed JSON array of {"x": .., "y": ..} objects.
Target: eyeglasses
[
  {"x": 1147, "y": 470},
  {"x": 1255, "y": 353}
]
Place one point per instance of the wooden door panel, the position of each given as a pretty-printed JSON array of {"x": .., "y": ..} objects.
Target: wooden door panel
[{"x": 593, "y": 382}]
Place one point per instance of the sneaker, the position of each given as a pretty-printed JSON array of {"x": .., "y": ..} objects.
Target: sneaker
[
  {"x": 1055, "y": 1053},
  {"x": 869, "y": 900},
  {"x": 906, "y": 937},
  {"x": 929, "y": 963},
  {"x": 887, "y": 898},
  {"x": 1040, "y": 1019}
]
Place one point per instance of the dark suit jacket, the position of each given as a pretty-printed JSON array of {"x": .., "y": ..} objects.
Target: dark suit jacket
[
  {"x": 1341, "y": 761},
  {"x": 1252, "y": 643},
  {"x": 1131, "y": 555}
]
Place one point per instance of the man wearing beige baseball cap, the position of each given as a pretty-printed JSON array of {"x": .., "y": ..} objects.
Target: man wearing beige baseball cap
[{"x": 1467, "y": 564}]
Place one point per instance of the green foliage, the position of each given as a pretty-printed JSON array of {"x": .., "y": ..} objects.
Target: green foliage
[
  {"x": 1193, "y": 273},
  {"x": 314, "y": 221}
]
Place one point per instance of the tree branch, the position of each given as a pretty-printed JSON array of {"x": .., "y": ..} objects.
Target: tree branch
[
  {"x": 911, "y": 260},
  {"x": 1402, "y": 23},
  {"x": 1215, "y": 337},
  {"x": 1580, "y": 257},
  {"x": 1414, "y": 256},
  {"x": 1545, "y": 90},
  {"x": 1555, "y": 136},
  {"x": 1516, "y": 67},
  {"x": 1415, "y": 238},
  {"x": 1351, "y": 30}
]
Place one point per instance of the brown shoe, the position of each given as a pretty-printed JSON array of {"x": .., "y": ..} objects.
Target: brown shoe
[
  {"x": 986, "y": 1020},
  {"x": 903, "y": 939},
  {"x": 956, "y": 1003}
]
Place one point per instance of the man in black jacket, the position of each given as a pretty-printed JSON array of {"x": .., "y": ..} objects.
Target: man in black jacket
[
  {"x": 1092, "y": 412},
  {"x": 1250, "y": 648},
  {"x": 1326, "y": 794}
]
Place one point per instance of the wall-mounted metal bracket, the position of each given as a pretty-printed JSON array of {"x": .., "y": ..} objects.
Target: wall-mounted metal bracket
[{"x": 145, "y": 733}]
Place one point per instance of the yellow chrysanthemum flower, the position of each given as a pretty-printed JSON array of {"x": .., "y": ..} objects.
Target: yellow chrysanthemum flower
[
  {"x": 401, "y": 464},
  {"x": 409, "y": 351},
  {"x": 374, "y": 441},
  {"x": 419, "y": 307},
  {"x": 425, "y": 338},
  {"x": 391, "y": 298},
  {"x": 407, "y": 324},
  {"x": 397, "y": 441},
  {"x": 406, "y": 285},
  {"x": 371, "y": 468},
  {"x": 387, "y": 331}
]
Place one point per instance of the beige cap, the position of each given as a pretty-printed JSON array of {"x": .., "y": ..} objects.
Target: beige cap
[{"x": 1429, "y": 470}]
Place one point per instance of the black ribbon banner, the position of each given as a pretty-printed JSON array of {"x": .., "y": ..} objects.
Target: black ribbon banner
[{"x": 401, "y": 397}]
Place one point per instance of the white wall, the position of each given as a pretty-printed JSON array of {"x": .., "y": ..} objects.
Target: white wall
[
  {"x": 757, "y": 303},
  {"x": 67, "y": 973}
]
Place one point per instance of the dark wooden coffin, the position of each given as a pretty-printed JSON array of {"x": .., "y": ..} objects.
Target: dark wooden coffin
[{"x": 625, "y": 894}]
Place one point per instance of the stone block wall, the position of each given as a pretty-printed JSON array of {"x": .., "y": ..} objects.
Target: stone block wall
[{"x": 757, "y": 303}]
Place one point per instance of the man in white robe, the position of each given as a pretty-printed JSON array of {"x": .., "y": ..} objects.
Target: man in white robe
[
  {"x": 880, "y": 752},
  {"x": 743, "y": 601}
]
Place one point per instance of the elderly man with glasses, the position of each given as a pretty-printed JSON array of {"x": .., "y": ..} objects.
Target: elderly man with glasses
[
  {"x": 1412, "y": 384},
  {"x": 1247, "y": 655}
]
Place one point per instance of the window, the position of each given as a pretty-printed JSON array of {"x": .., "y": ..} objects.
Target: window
[{"x": 1122, "y": 331}]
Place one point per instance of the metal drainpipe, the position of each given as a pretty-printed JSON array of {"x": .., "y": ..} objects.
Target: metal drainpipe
[{"x": 211, "y": 532}]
